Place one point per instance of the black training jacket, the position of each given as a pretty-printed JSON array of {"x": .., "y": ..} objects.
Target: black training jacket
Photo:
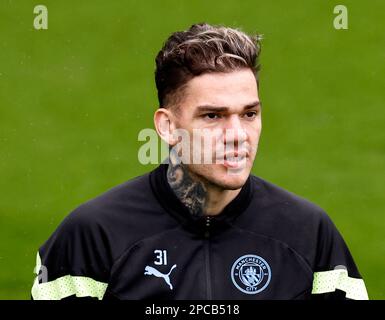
[{"x": 138, "y": 241}]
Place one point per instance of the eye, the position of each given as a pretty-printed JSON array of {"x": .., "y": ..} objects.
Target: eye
[
  {"x": 250, "y": 115},
  {"x": 211, "y": 116}
]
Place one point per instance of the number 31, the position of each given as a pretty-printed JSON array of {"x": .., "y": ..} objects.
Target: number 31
[{"x": 161, "y": 257}]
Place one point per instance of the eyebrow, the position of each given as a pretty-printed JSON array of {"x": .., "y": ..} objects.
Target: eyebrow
[{"x": 212, "y": 108}]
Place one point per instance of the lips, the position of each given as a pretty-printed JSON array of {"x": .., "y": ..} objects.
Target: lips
[{"x": 234, "y": 159}]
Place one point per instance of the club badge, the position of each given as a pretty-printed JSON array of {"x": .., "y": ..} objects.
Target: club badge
[{"x": 251, "y": 274}]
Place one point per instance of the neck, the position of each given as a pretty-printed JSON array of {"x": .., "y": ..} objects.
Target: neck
[{"x": 200, "y": 198}]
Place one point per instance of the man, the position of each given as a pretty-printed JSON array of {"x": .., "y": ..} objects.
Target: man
[{"x": 203, "y": 229}]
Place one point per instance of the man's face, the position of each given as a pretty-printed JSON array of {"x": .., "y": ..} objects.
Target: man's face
[{"x": 223, "y": 109}]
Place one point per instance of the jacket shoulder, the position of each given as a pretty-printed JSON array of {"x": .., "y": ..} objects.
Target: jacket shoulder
[
  {"x": 285, "y": 203},
  {"x": 289, "y": 218},
  {"x": 115, "y": 219}
]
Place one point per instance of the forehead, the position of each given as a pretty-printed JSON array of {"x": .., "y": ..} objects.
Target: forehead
[{"x": 223, "y": 89}]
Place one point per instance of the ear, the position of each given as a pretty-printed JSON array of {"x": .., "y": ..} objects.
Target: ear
[{"x": 164, "y": 125}]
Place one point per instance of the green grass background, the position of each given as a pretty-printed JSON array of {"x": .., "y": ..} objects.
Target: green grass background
[{"x": 74, "y": 97}]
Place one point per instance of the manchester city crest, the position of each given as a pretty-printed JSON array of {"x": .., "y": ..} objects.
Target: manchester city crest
[{"x": 251, "y": 274}]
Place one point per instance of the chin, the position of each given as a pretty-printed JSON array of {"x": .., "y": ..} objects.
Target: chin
[
  {"x": 221, "y": 177},
  {"x": 231, "y": 182}
]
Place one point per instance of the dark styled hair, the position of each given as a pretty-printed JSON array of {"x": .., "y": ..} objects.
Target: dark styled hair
[{"x": 202, "y": 48}]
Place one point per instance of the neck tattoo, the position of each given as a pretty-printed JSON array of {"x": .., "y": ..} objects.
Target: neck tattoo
[{"x": 190, "y": 192}]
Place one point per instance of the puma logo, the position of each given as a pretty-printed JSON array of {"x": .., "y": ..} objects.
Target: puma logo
[{"x": 150, "y": 271}]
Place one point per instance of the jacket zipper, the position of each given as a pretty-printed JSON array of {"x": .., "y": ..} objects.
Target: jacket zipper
[{"x": 207, "y": 258}]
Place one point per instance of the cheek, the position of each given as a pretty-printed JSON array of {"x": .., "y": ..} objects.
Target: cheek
[
  {"x": 206, "y": 138},
  {"x": 254, "y": 131}
]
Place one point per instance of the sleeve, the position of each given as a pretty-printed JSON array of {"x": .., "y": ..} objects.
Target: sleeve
[
  {"x": 74, "y": 261},
  {"x": 336, "y": 275}
]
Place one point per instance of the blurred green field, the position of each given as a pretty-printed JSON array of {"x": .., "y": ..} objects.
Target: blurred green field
[{"x": 74, "y": 97}]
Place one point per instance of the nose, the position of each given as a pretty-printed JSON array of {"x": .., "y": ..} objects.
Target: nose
[{"x": 234, "y": 131}]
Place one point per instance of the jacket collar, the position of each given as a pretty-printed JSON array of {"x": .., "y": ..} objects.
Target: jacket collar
[{"x": 171, "y": 203}]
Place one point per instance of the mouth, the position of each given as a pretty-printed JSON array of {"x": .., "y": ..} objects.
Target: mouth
[{"x": 235, "y": 160}]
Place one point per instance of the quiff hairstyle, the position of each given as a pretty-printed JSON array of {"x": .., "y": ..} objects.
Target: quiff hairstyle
[{"x": 202, "y": 48}]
